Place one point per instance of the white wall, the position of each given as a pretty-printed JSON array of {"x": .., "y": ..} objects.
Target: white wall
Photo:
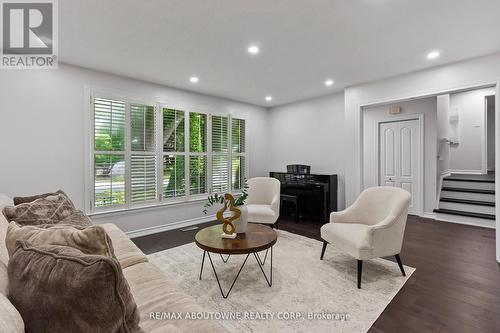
[
  {"x": 309, "y": 132},
  {"x": 467, "y": 156},
  {"x": 42, "y": 135},
  {"x": 434, "y": 81},
  {"x": 443, "y": 136},
  {"x": 371, "y": 118}
]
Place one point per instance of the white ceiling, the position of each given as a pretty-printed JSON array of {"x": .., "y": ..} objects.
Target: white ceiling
[{"x": 302, "y": 42}]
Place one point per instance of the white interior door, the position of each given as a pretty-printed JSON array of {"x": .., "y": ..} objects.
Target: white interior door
[{"x": 399, "y": 158}]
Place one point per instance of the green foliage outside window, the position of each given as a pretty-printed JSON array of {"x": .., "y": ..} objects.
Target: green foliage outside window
[
  {"x": 197, "y": 144},
  {"x": 109, "y": 179}
]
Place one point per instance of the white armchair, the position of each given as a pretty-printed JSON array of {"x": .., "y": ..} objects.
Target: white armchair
[
  {"x": 263, "y": 202},
  {"x": 372, "y": 227}
]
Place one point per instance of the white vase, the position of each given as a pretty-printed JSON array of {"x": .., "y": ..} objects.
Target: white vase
[{"x": 241, "y": 223}]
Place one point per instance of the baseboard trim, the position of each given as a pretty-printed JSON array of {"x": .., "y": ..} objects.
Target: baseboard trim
[
  {"x": 490, "y": 224},
  {"x": 429, "y": 216},
  {"x": 168, "y": 226},
  {"x": 467, "y": 172}
]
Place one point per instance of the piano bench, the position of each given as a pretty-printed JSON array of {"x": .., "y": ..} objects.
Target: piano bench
[{"x": 293, "y": 199}]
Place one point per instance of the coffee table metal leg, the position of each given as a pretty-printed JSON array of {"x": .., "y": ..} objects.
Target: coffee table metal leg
[
  {"x": 271, "y": 266},
  {"x": 228, "y": 256},
  {"x": 202, "y": 261},
  {"x": 270, "y": 280},
  {"x": 217, "y": 278},
  {"x": 265, "y": 257}
]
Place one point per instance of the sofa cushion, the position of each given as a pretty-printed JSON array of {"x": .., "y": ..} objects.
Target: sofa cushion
[
  {"x": 21, "y": 200},
  {"x": 48, "y": 210},
  {"x": 10, "y": 319},
  {"x": 153, "y": 292},
  {"x": 4, "y": 279},
  {"x": 126, "y": 251},
  {"x": 77, "y": 218},
  {"x": 61, "y": 289},
  {"x": 4, "y": 224},
  {"x": 89, "y": 240},
  {"x": 4, "y": 201}
]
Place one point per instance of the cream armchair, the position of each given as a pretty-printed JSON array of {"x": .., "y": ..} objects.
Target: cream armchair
[
  {"x": 372, "y": 227},
  {"x": 263, "y": 200}
]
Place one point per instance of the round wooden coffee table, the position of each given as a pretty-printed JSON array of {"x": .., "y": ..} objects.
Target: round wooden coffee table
[{"x": 257, "y": 238}]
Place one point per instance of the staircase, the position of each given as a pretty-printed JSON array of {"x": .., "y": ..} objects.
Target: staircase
[{"x": 470, "y": 196}]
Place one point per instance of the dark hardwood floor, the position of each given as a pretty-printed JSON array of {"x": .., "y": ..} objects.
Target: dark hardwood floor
[{"x": 456, "y": 287}]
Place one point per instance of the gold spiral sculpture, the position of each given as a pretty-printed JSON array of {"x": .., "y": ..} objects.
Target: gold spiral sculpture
[{"x": 228, "y": 225}]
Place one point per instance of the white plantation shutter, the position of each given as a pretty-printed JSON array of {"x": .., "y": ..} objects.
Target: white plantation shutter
[
  {"x": 109, "y": 152},
  {"x": 220, "y": 150},
  {"x": 238, "y": 136},
  {"x": 238, "y": 172},
  {"x": 173, "y": 130},
  {"x": 142, "y": 154},
  {"x": 174, "y": 153},
  {"x": 174, "y": 179},
  {"x": 109, "y": 180},
  {"x": 197, "y": 174},
  {"x": 109, "y": 124},
  {"x": 143, "y": 127},
  {"x": 220, "y": 143},
  {"x": 238, "y": 130},
  {"x": 198, "y": 154},
  {"x": 220, "y": 173},
  {"x": 143, "y": 178},
  {"x": 197, "y": 132}
]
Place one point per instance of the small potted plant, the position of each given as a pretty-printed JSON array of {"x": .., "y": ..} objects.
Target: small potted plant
[{"x": 241, "y": 223}]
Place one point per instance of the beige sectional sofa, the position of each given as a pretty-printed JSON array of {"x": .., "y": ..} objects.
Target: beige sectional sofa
[{"x": 151, "y": 289}]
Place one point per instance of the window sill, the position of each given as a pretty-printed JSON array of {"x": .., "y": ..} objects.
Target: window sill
[{"x": 151, "y": 206}]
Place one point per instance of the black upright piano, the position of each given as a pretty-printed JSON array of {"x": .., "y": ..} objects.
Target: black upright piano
[{"x": 317, "y": 194}]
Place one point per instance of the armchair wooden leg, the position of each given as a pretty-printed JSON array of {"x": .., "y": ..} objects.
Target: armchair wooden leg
[
  {"x": 325, "y": 243},
  {"x": 398, "y": 259},
  {"x": 360, "y": 269}
]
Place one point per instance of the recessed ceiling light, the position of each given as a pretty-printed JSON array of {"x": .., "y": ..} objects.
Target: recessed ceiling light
[
  {"x": 433, "y": 55},
  {"x": 194, "y": 79},
  {"x": 253, "y": 49},
  {"x": 328, "y": 83},
  {"x": 269, "y": 98}
]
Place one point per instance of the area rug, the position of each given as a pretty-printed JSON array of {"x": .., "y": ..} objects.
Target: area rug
[{"x": 307, "y": 295}]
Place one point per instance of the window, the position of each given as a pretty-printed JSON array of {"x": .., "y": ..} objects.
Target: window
[
  {"x": 145, "y": 154},
  {"x": 109, "y": 152},
  {"x": 220, "y": 158},
  {"x": 238, "y": 153},
  {"x": 198, "y": 153},
  {"x": 174, "y": 158}
]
